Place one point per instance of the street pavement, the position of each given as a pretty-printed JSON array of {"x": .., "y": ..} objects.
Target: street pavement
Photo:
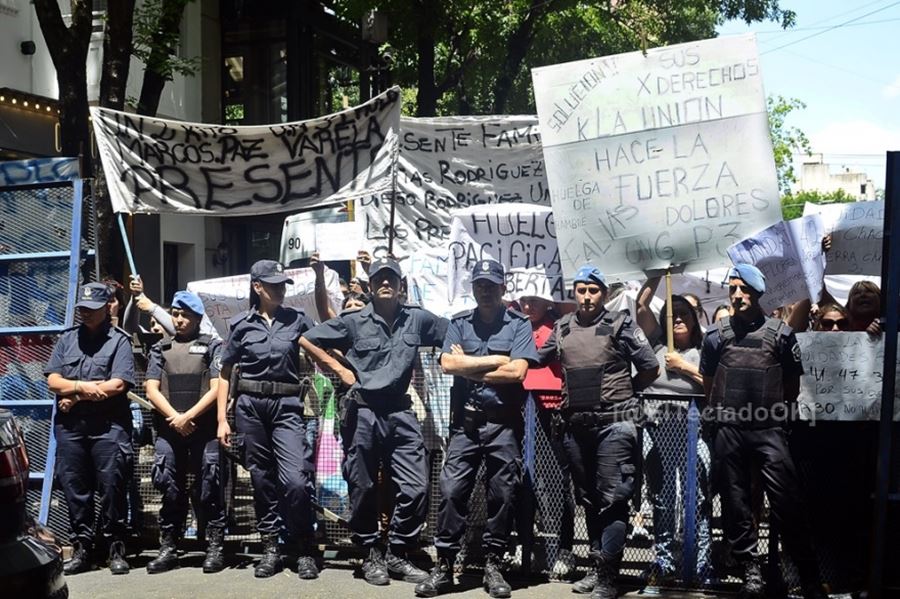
[{"x": 336, "y": 582}]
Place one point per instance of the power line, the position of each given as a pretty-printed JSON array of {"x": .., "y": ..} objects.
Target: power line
[
  {"x": 826, "y": 19},
  {"x": 831, "y": 66},
  {"x": 799, "y": 29},
  {"x": 812, "y": 35}
]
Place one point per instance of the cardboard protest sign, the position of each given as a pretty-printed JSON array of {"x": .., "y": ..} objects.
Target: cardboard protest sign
[
  {"x": 842, "y": 376},
  {"x": 450, "y": 163},
  {"x": 299, "y": 237},
  {"x": 856, "y": 236},
  {"x": 155, "y": 165},
  {"x": 789, "y": 254},
  {"x": 226, "y": 297},
  {"x": 657, "y": 160},
  {"x": 516, "y": 236},
  {"x": 339, "y": 241}
]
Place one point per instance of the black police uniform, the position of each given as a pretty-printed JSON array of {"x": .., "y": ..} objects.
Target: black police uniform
[
  {"x": 379, "y": 426},
  {"x": 485, "y": 426},
  {"x": 269, "y": 412},
  {"x": 184, "y": 369},
  {"x": 748, "y": 364},
  {"x": 93, "y": 439},
  {"x": 600, "y": 413}
]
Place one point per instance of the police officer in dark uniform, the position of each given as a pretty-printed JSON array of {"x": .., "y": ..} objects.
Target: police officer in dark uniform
[
  {"x": 90, "y": 371},
  {"x": 378, "y": 427},
  {"x": 263, "y": 344},
  {"x": 751, "y": 372},
  {"x": 182, "y": 381},
  {"x": 597, "y": 350},
  {"x": 488, "y": 350}
]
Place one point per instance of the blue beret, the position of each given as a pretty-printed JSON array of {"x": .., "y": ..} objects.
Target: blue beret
[
  {"x": 590, "y": 274},
  {"x": 750, "y": 275},
  {"x": 186, "y": 300}
]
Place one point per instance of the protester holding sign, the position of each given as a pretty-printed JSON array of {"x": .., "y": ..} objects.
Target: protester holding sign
[
  {"x": 378, "y": 427},
  {"x": 679, "y": 375},
  {"x": 263, "y": 344},
  {"x": 751, "y": 368},
  {"x": 597, "y": 349}
]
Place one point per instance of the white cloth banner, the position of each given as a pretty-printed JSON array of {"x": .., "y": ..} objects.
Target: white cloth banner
[
  {"x": 518, "y": 237},
  {"x": 657, "y": 160},
  {"x": 427, "y": 273},
  {"x": 226, "y": 297},
  {"x": 790, "y": 255},
  {"x": 842, "y": 376},
  {"x": 450, "y": 163},
  {"x": 155, "y": 165},
  {"x": 856, "y": 231}
]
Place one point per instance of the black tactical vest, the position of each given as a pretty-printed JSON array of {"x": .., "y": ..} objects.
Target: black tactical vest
[
  {"x": 596, "y": 373},
  {"x": 749, "y": 381},
  {"x": 185, "y": 376}
]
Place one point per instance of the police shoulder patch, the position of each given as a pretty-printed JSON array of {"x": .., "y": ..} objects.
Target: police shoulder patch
[
  {"x": 217, "y": 362},
  {"x": 796, "y": 352},
  {"x": 463, "y": 314},
  {"x": 640, "y": 336}
]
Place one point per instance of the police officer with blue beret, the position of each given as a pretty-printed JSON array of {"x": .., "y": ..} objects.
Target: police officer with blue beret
[
  {"x": 597, "y": 349},
  {"x": 488, "y": 351},
  {"x": 263, "y": 344},
  {"x": 378, "y": 427},
  {"x": 182, "y": 383},
  {"x": 751, "y": 371},
  {"x": 90, "y": 371}
]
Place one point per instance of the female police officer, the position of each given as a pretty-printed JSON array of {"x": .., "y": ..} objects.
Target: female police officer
[
  {"x": 90, "y": 370},
  {"x": 263, "y": 343}
]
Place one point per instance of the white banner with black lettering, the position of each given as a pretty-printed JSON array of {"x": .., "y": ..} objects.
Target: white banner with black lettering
[
  {"x": 657, "y": 160},
  {"x": 450, "y": 163},
  {"x": 155, "y": 165},
  {"x": 842, "y": 376},
  {"x": 519, "y": 237},
  {"x": 856, "y": 236},
  {"x": 226, "y": 297}
]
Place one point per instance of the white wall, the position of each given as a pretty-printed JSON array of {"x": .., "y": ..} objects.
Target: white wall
[
  {"x": 15, "y": 28},
  {"x": 189, "y": 231}
]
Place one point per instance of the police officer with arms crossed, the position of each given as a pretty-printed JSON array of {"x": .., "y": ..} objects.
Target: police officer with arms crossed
[
  {"x": 90, "y": 371},
  {"x": 381, "y": 342},
  {"x": 597, "y": 350},
  {"x": 182, "y": 381},
  {"x": 488, "y": 350},
  {"x": 751, "y": 371},
  {"x": 263, "y": 343}
]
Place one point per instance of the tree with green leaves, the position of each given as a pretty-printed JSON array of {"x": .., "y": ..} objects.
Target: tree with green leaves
[
  {"x": 786, "y": 140},
  {"x": 465, "y": 57},
  {"x": 792, "y": 204}
]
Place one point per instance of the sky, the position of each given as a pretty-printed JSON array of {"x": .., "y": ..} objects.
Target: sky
[{"x": 841, "y": 59}]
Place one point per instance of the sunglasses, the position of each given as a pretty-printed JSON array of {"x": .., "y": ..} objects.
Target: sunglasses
[{"x": 829, "y": 323}]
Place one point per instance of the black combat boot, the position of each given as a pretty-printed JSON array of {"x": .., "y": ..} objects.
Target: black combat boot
[
  {"x": 167, "y": 558},
  {"x": 80, "y": 560},
  {"x": 586, "y": 584},
  {"x": 270, "y": 563},
  {"x": 439, "y": 580},
  {"x": 307, "y": 569},
  {"x": 753, "y": 587},
  {"x": 605, "y": 588},
  {"x": 215, "y": 550},
  {"x": 493, "y": 581},
  {"x": 117, "y": 563},
  {"x": 374, "y": 568},
  {"x": 399, "y": 566}
]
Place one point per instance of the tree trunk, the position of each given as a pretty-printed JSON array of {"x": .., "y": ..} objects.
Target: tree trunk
[
  {"x": 155, "y": 74},
  {"x": 116, "y": 53},
  {"x": 426, "y": 96},
  {"x": 517, "y": 46}
]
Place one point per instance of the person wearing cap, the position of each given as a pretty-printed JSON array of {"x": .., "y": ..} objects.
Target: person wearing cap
[
  {"x": 268, "y": 412},
  {"x": 380, "y": 344},
  {"x": 181, "y": 383},
  {"x": 751, "y": 371},
  {"x": 90, "y": 371},
  {"x": 598, "y": 350},
  {"x": 488, "y": 351}
]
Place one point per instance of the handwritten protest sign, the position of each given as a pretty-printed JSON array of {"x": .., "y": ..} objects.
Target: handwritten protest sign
[
  {"x": 519, "y": 237},
  {"x": 427, "y": 273},
  {"x": 856, "y": 236},
  {"x": 226, "y": 297},
  {"x": 451, "y": 163},
  {"x": 790, "y": 256},
  {"x": 154, "y": 165},
  {"x": 842, "y": 376},
  {"x": 659, "y": 159}
]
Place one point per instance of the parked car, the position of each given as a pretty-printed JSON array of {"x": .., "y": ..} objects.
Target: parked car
[{"x": 29, "y": 567}]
